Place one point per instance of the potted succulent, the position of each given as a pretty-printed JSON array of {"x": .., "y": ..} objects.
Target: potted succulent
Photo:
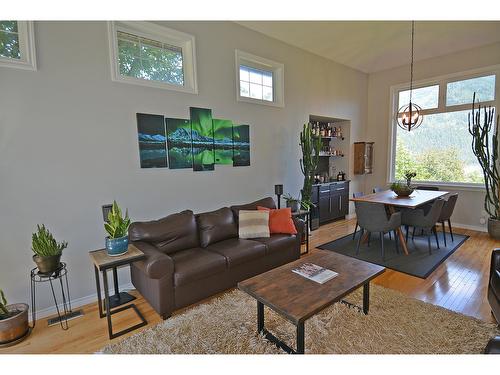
[
  {"x": 13, "y": 321},
  {"x": 401, "y": 188},
  {"x": 408, "y": 176},
  {"x": 485, "y": 148},
  {"x": 292, "y": 202},
  {"x": 47, "y": 250},
  {"x": 117, "y": 228}
]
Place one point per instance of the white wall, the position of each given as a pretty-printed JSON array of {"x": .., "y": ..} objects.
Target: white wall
[
  {"x": 68, "y": 139},
  {"x": 471, "y": 202}
]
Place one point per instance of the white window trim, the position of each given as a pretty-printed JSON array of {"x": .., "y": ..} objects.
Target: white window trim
[
  {"x": 441, "y": 81},
  {"x": 27, "y": 61},
  {"x": 257, "y": 62},
  {"x": 160, "y": 33}
]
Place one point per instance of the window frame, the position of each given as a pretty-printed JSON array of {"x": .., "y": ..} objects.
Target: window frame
[
  {"x": 158, "y": 33},
  {"x": 442, "y": 81},
  {"x": 261, "y": 63},
  {"x": 26, "y": 33}
]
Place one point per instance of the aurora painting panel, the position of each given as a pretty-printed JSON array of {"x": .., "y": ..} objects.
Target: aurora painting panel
[
  {"x": 152, "y": 141},
  {"x": 202, "y": 134},
  {"x": 241, "y": 145},
  {"x": 180, "y": 150},
  {"x": 223, "y": 141}
]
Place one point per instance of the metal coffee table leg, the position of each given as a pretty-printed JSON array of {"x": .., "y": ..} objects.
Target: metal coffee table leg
[{"x": 276, "y": 341}]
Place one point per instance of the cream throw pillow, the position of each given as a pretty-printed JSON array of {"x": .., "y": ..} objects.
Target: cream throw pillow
[{"x": 253, "y": 224}]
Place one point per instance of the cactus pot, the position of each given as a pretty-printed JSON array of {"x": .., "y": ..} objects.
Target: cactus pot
[
  {"x": 16, "y": 326},
  {"x": 494, "y": 228},
  {"x": 117, "y": 246},
  {"x": 47, "y": 265}
]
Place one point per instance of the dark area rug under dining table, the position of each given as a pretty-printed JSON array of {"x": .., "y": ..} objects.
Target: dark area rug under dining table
[{"x": 418, "y": 263}]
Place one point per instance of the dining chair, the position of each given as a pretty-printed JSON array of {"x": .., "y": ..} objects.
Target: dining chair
[
  {"x": 446, "y": 212},
  {"x": 357, "y": 194},
  {"x": 372, "y": 217},
  {"x": 418, "y": 218}
]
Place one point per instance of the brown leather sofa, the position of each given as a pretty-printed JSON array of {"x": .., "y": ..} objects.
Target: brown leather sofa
[
  {"x": 493, "y": 346},
  {"x": 494, "y": 285},
  {"x": 190, "y": 257}
]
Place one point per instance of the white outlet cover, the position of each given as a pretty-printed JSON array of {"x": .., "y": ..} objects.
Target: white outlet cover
[{"x": 482, "y": 221}]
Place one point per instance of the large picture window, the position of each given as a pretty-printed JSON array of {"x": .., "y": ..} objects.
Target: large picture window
[{"x": 439, "y": 151}]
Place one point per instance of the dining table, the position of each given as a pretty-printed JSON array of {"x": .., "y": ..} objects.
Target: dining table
[{"x": 392, "y": 201}]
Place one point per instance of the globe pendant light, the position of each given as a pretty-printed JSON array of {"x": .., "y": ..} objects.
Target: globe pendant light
[{"x": 410, "y": 115}]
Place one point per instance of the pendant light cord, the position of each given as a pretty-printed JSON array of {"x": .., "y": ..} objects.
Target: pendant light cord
[{"x": 411, "y": 64}]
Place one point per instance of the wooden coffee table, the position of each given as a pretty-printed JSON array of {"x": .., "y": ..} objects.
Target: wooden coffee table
[{"x": 296, "y": 298}]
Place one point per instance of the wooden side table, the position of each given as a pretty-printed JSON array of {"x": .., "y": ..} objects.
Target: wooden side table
[
  {"x": 306, "y": 215},
  {"x": 103, "y": 262}
]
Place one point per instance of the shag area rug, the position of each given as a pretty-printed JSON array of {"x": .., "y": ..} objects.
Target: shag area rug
[{"x": 396, "y": 324}]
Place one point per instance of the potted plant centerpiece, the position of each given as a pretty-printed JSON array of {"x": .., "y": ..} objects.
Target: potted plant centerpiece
[
  {"x": 47, "y": 250},
  {"x": 117, "y": 228},
  {"x": 404, "y": 188},
  {"x": 485, "y": 148},
  {"x": 292, "y": 202},
  {"x": 13, "y": 321}
]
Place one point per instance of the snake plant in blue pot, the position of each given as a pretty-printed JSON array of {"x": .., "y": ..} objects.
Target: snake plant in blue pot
[{"x": 117, "y": 228}]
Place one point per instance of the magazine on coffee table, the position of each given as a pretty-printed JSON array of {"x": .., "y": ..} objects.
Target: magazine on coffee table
[{"x": 315, "y": 273}]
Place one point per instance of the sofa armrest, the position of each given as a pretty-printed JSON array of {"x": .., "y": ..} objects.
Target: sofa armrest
[
  {"x": 495, "y": 262},
  {"x": 157, "y": 264},
  {"x": 299, "y": 225}
]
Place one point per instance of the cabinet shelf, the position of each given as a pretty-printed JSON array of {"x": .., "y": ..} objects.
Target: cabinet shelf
[{"x": 340, "y": 138}]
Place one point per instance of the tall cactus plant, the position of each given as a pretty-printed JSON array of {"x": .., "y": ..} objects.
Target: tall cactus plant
[
  {"x": 487, "y": 154},
  {"x": 3, "y": 306},
  {"x": 310, "y": 146}
]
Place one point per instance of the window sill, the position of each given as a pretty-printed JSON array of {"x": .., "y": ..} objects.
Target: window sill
[
  {"x": 261, "y": 102},
  {"x": 155, "y": 84},
  {"x": 450, "y": 186}
]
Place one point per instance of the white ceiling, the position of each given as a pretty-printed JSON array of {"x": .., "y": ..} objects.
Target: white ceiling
[{"x": 371, "y": 46}]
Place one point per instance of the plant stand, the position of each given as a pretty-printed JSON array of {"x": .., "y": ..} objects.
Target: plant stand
[{"x": 58, "y": 275}]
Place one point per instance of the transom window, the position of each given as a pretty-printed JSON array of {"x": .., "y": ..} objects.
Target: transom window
[
  {"x": 17, "y": 46},
  {"x": 259, "y": 80},
  {"x": 149, "y": 59},
  {"x": 256, "y": 83},
  {"x": 9, "y": 40},
  {"x": 439, "y": 151},
  {"x": 148, "y": 54}
]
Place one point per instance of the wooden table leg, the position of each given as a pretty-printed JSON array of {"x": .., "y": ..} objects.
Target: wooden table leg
[{"x": 402, "y": 240}]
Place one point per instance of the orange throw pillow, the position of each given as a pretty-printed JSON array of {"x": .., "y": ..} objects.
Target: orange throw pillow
[{"x": 280, "y": 220}]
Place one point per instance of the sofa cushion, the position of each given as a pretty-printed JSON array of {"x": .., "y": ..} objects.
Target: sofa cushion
[
  {"x": 265, "y": 202},
  {"x": 170, "y": 234},
  {"x": 278, "y": 242},
  {"x": 253, "y": 224},
  {"x": 195, "y": 264},
  {"x": 280, "y": 220},
  {"x": 238, "y": 251},
  {"x": 216, "y": 226}
]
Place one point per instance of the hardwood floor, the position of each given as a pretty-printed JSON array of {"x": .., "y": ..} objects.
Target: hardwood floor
[{"x": 459, "y": 284}]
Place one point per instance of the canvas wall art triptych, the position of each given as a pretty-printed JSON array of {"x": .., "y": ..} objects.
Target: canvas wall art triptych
[{"x": 198, "y": 143}]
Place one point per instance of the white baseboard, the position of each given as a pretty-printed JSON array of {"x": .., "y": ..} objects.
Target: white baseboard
[
  {"x": 76, "y": 303},
  {"x": 470, "y": 227},
  {"x": 350, "y": 216}
]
